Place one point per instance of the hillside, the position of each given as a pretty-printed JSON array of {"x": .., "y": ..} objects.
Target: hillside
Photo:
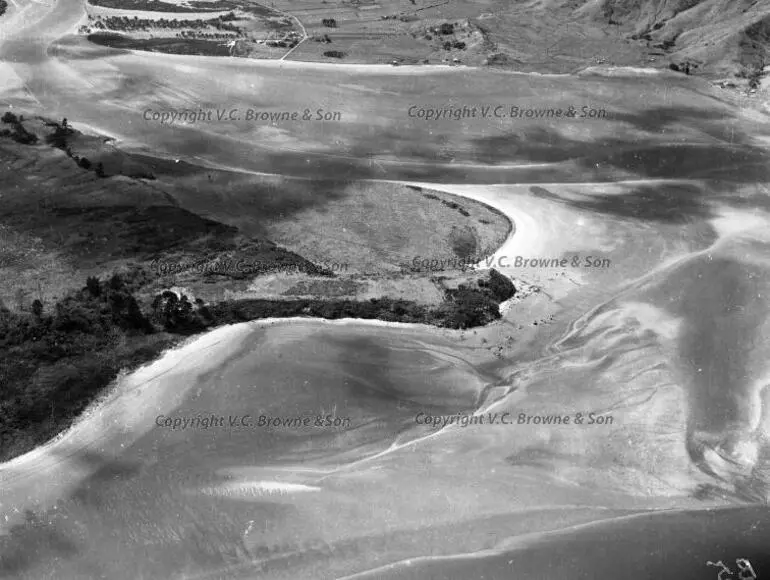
[
  {"x": 109, "y": 258},
  {"x": 720, "y": 36},
  {"x": 725, "y": 39}
]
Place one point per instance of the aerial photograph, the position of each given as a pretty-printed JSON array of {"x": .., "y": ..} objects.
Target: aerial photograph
[{"x": 385, "y": 289}]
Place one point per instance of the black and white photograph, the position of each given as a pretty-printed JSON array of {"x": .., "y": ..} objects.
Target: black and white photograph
[{"x": 384, "y": 289}]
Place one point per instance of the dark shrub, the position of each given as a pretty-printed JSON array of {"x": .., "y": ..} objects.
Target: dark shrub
[
  {"x": 177, "y": 314},
  {"x": 21, "y": 135},
  {"x": 116, "y": 282},
  {"x": 58, "y": 139},
  {"x": 499, "y": 286},
  {"x": 93, "y": 287}
]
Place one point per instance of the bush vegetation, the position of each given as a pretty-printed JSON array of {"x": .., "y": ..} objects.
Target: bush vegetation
[
  {"x": 56, "y": 359},
  {"x": 18, "y": 133},
  {"x": 60, "y": 139},
  {"x": 124, "y": 23},
  {"x": 194, "y": 46},
  {"x": 753, "y": 72},
  {"x": 685, "y": 67},
  {"x": 152, "y": 6}
]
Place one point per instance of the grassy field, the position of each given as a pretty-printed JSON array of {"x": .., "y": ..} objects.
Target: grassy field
[
  {"x": 371, "y": 226},
  {"x": 516, "y": 36},
  {"x": 719, "y": 37},
  {"x": 561, "y": 36},
  {"x": 61, "y": 222},
  {"x": 384, "y": 32},
  {"x": 92, "y": 239},
  {"x": 410, "y": 33}
]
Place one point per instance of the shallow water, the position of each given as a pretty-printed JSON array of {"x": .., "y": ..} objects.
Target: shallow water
[
  {"x": 308, "y": 449},
  {"x": 665, "y": 371}
]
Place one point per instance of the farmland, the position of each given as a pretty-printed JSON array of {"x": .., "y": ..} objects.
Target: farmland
[
  {"x": 422, "y": 32},
  {"x": 222, "y": 28}
]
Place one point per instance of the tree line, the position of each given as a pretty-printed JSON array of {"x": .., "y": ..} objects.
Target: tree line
[
  {"x": 17, "y": 132},
  {"x": 124, "y": 23},
  {"x": 56, "y": 358}
]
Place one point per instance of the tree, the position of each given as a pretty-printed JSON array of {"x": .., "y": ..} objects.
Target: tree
[
  {"x": 135, "y": 318},
  {"x": 64, "y": 122},
  {"x": 21, "y": 135},
  {"x": 5, "y": 315},
  {"x": 93, "y": 286},
  {"x": 37, "y": 308},
  {"x": 58, "y": 139},
  {"x": 177, "y": 314},
  {"x": 20, "y": 295},
  {"x": 100, "y": 170},
  {"x": 116, "y": 282}
]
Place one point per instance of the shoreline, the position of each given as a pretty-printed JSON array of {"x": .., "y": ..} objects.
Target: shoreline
[
  {"x": 108, "y": 393},
  {"x": 237, "y": 314},
  {"x": 114, "y": 420}
]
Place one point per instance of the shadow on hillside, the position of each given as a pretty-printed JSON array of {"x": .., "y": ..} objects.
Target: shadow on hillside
[{"x": 257, "y": 202}]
